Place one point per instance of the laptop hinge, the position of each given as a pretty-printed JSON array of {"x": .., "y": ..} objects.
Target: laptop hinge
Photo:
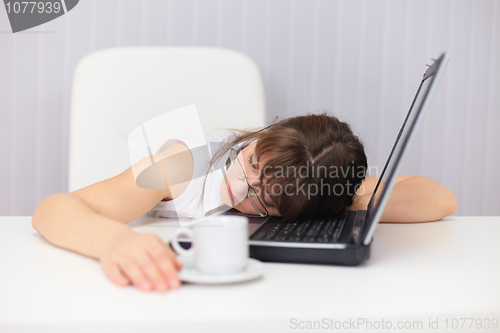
[{"x": 358, "y": 229}]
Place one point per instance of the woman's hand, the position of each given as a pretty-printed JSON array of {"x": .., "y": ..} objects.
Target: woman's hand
[
  {"x": 142, "y": 260},
  {"x": 413, "y": 199}
]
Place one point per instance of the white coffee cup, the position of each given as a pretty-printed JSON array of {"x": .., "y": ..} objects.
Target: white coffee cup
[{"x": 219, "y": 245}]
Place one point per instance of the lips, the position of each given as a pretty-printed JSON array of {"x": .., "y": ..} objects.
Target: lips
[{"x": 231, "y": 195}]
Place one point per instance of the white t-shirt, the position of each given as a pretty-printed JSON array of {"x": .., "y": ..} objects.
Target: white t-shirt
[{"x": 201, "y": 198}]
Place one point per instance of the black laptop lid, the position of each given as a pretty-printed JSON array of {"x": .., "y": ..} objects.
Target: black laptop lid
[{"x": 403, "y": 141}]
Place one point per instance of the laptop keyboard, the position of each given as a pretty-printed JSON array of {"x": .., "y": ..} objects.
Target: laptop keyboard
[{"x": 307, "y": 231}]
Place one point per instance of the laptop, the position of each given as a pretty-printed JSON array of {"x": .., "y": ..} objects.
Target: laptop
[{"x": 345, "y": 239}]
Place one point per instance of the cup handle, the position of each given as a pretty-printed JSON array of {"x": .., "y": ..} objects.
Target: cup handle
[{"x": 175, "y": 242}]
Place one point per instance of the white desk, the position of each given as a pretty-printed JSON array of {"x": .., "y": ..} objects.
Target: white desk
[{"x": 441, "y": 270}]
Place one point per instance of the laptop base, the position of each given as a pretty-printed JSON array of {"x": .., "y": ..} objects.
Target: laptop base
[{"x": 351, "y": 255}]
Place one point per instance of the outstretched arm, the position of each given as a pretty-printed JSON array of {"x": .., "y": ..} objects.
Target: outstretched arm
[
  {"x": 413, "y": 199},
  {"x": 91, "y": 221}
]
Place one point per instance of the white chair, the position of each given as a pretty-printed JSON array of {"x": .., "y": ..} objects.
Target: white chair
[{"x": 116, "y": 90}]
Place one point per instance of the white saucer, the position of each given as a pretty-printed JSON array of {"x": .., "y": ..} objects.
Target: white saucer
[{"x": 188, "y": 273}]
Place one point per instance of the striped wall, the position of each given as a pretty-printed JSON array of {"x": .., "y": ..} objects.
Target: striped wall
[{"x": 359, "y": 59}]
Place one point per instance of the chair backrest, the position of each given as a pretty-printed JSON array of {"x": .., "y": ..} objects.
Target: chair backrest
[{"x": 116, "y": 90}]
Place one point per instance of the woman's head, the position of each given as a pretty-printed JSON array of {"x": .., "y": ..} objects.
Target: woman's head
[{"x": 302, "y": 166}]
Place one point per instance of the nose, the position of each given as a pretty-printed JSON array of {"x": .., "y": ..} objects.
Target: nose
[
  {"x": 240, "y": 189},
  {"x": 255, "y": 183}
]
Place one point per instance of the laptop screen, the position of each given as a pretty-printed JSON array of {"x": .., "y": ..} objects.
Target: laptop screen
[{"x": 400, "y": 147}]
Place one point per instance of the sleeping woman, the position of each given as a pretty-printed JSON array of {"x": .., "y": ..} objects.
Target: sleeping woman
[{"x": 308, "y": 165}]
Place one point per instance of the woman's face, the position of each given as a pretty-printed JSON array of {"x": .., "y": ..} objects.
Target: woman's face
[{"x": 234, "y": 192}]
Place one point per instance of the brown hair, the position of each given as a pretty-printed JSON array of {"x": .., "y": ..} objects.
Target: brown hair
[{"x": 312, "y": 165}]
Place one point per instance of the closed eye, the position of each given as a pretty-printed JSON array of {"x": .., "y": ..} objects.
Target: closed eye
[
  {"x": 253, "y": 166},
  {"x": 250, "y": 162},
  {"x": 266, "y": 204}
]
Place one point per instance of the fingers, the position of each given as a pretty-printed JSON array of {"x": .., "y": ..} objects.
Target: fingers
[
  {"x": 146, "y": 262},
  {"x": 115, "y": 275},
  {"x": 179, "y": 265},
  {"x": 167, "y": 263},
  {"x": 136, "y": 274}
]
